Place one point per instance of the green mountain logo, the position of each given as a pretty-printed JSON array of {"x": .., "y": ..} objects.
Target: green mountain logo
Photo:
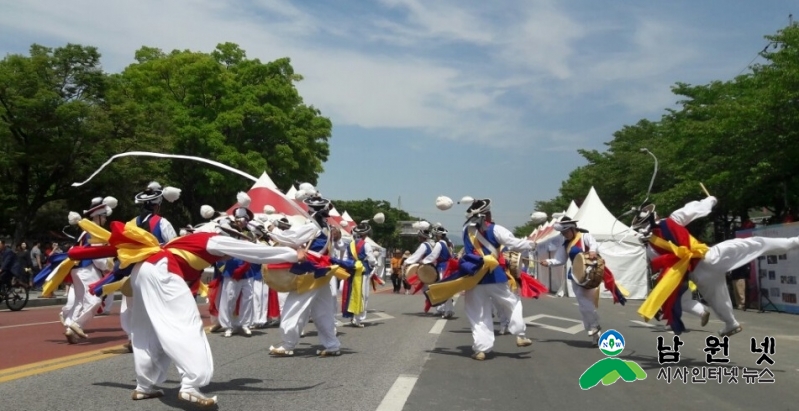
[{"x": 609, "y": 370}]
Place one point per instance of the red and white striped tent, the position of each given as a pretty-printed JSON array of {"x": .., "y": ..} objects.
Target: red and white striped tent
[{"x": 264, "y": 192}]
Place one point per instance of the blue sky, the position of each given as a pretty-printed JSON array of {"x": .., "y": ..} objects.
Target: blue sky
[{"x": 444, "y": 97}]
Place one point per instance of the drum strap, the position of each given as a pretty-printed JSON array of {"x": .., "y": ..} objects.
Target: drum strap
[
  {"x": 494, "y": 253},
  {"x": 483, "y": 241}
]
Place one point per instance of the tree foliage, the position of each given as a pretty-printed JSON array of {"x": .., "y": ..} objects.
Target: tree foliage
[
  {"x": 61, "y": 117},
  {"x": 737, "y": 137}
]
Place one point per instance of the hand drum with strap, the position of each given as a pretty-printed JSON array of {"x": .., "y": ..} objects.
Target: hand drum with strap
[{"x": 588, "y": 273}]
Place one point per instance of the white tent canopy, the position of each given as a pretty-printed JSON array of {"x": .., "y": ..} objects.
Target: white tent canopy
[
  {"x": 346, "y": 217},
  {"x": 265, "y": 181},
  {"x": 572, "y": 210}
]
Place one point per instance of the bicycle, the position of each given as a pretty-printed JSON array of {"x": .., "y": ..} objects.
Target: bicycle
[{"x": 15, "y": 296}]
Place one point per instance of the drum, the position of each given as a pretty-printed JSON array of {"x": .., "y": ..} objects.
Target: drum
[
  {"x": 588, "y": 273},
  {"x": 280, "y": 280},
  {"x": 514, "y": 260},
  {"x": 426, "y": 273}
]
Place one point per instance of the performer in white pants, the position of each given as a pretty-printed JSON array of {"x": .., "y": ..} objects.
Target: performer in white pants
[
  {"x": 314, "y": 303},
  {"x": 238, "y": 274},
  {"x": 482, "y": 237},
  {"x": 705, "y": 266},
  {"x": 355, "y": 306},
  {"x": 151, "y": 221},
  {"x": 238, "y": 280},
  {"x": 336, "y": 247},
  {"x": 87, "y": 272},
  {"x": 574, "y": 244},
  {"x": 165, "y": 323},
  {"x": 440, "y": 256}
]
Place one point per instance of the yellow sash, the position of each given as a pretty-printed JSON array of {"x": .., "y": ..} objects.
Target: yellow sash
[
  {"x": 97, "y": 235},
  {"x": 355, "y": 304},
  {"x": 145, "y": 245},
  {"x": 439, "y": 293},
  {"x": 307, "y": 282},
  {"x": 674, "y": 274},
  {"x": 61, "y": 272}
]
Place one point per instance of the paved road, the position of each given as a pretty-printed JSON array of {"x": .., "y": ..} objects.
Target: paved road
[{"x": 403, "y": 360}]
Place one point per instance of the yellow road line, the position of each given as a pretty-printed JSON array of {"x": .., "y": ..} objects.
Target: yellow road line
[{"x": 41, "y": 367}]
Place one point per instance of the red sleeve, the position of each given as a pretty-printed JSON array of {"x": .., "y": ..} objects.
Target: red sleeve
[{"x": 91, "y": 253}]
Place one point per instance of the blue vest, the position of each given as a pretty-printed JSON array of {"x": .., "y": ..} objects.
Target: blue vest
[
  {"x": 234, "y": 263},
  {"x": 153, "y": 226},
  {"x": 319, "y": 243},
  {"x": 498, "y": 274},
  {"x": 443, "y": 257}
]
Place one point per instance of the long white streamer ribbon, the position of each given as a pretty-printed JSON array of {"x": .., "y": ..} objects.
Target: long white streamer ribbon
[{"x": 160, "y": 155}]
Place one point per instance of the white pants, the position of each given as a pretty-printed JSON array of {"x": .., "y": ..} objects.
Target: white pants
[
  {"x": 478, "y": 305},
  {"x": 259, "y": 299},
  {"x": 70, "y": 302},
  {"x": 585, "y": 302},
  {"x": 281, "y": 299},
  {"x": 298, "y": 307},
  {"x": 710, "y": 274},
  {"x": 689, "y": 305},
  {"x": 125, "y": 313},
  {"x": 85, "y": 307},
  {"x": 447, "y": 307},
  {"x": 166, "y": 326},
  {"x": 502, "y": 314},
  {"x": 227, "y": 306},
  {"x": 334, "y": 292},
  {"x": 108, "y": 304}
]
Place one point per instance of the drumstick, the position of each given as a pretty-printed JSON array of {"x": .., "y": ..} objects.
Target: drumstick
[{"x": 704, "y": 189}]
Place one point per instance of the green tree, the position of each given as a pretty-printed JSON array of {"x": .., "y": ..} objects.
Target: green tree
[
  {"x": 55, "y": 123},
  {"x": 737, "y": 137},
  {"x": 238, "y": 111}
]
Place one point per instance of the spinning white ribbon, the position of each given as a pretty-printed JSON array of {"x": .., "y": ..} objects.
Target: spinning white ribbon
[{"x": 160, "y": 155}]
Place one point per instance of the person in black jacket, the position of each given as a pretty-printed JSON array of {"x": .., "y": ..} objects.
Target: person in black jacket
[{"x": 10, "y": 270}]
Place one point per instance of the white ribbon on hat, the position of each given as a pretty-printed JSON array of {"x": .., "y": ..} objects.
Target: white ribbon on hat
[{"x": 160, "y": 155}]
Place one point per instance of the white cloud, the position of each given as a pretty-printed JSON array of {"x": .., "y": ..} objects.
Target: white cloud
[
  {"x": 543, "y": 42},
  {"x": 369, "y": 70},
  {"x": 440, "y": 20}
]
